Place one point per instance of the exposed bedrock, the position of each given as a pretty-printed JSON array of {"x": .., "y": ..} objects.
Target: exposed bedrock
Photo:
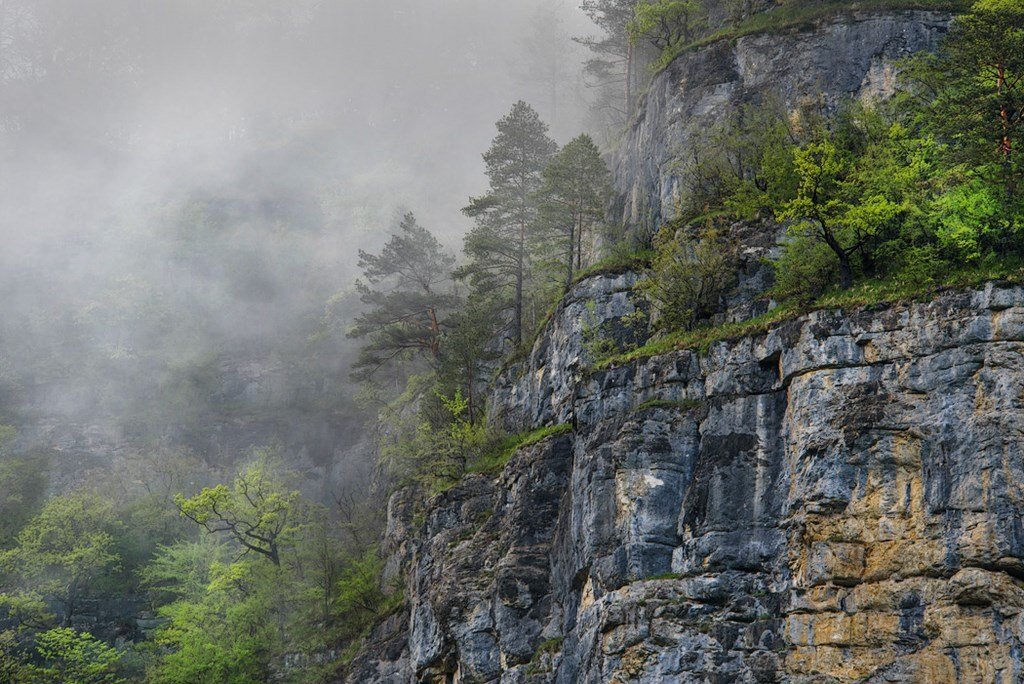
[
  {"x": 853, "y": 54},
  {"x": 837, "y": 500}
]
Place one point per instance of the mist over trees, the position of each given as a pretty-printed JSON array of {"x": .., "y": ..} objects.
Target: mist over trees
[
  {"x": 245, "y": 296},
  {"x": 188, "y": 194}
]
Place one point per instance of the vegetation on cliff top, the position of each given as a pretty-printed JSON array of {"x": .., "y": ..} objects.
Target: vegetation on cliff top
[
  {"x": 904, "y": 196},
  {"x": 787, "y": 16}
]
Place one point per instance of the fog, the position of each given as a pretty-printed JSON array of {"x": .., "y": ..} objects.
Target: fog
[{"x": 184, "y": 185}]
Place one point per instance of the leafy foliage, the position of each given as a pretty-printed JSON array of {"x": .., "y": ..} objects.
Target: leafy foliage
[
  {"x": 689, "y": 277},
  {"x": 22, "y": 486},
  {"x": 667, "y": 23},
  {"x": 61, "y": 553},
  {"x": 257, "y": 512}
]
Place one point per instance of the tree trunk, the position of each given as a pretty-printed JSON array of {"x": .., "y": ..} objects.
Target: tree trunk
[
  {"x": 470, "y": 381},
  {"x": 435, "y": 333},
  {"x": 579, "y": 241},
  {"x": 572, "y": 249},
  {"x": 517, "y": 313}
]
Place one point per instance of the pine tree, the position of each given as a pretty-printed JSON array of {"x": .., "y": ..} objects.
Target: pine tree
[
  {"x": 469, "y": 350},
  {"x": 573, "y": 200},
  {"x": 613, "y": 66},
  {"x": 407, "y": 290},
  {"x": 497, "y": 245},
  {"x": 973, "y": 92}
]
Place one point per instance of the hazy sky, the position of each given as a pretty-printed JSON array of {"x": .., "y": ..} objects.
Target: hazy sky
[
  {"x": 184, "y": 178},
  {"x": 108, "y": 101}
]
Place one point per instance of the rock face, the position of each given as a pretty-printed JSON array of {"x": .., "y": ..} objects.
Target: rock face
[
  {"x": 840, "y": 499},
  {"x": 850, "y": 55}
]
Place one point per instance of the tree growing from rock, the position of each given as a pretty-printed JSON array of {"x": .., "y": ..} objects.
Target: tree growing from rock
[
  {"x": 666, "y": 23},
  {"x": 573, "y": 200},
  {"x": 974, "y": 92},
  {"x": 497, "y": 245}
]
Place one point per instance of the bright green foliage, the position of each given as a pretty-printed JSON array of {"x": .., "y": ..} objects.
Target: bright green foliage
[
  {"x": 667, "y": 23},
  {"x": 26, "y": 607},
  {"x": 968, "y": 216},
  {"x": 360, "y": 596},
  {"x": 408, "y": 295},
  {"x": 258, "y": 512},
  {"x": 971, "y": 96},
  {"x": 73, "y": 657},
  {"x": 228, "y": 632},
  {"x": 863, "y": 192},
  {"x": 807, "y": 267},
  {"x": 573, "y": 200},
  {"x": 230, "y": 620},
  {"x": 182, "y": 570},
  {"x": 974, "y": 91},
  {"x": 432, "y": 439},
  {"x": 64, "y": 550},
  {"x": 493, "y": 460},
  {"x": 743, "y": 169},
  {"x": 497, "y": 247},
  {"x": 11, "y": 657},
  {"x": 59, "y": 655},
  {"x": 22, "y": 485},
  {"x": 689, "y": 277}
]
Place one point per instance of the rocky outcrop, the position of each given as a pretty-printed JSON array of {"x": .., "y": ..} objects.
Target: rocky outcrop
[
  {"x": 840, "y": 499},
  {"x": 851, "y": 54}
]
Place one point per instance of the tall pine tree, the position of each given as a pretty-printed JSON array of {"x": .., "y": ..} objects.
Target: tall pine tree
[
  {"x": 408, "y": 293},
  {"x": 573, "y": 200},
  {"x": 497, "y": 246}
]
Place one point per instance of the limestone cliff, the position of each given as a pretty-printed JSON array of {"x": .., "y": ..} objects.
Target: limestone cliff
[
  {"x": 837, "y": 499},
  {"x": 851, "y": 54}
]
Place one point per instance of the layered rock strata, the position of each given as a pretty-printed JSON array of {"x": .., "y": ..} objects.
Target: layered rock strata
[{"x": 839, "y": 499}]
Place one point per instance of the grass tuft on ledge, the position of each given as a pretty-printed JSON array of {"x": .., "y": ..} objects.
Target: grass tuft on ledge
[
  {"x": 871, "y": 293},
  {"x": 794, "y": 18},
  {"x": 493, "y": 462}
]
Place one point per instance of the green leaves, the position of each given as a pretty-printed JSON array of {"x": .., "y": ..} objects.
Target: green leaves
[
  {"x": 258, "y": 512},
  {"x": 75, "y": 658},
  {"x": 667, "y": 23},
  {"x": 64, "y": 549},
  {"x": 689, "y": 277}
]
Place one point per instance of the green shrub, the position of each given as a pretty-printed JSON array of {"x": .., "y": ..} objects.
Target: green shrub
[
  {"x": 805, "y": 270},
  {"x": 689, "y": 277}
]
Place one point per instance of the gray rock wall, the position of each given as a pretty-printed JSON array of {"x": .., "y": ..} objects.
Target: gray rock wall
[
  {"x": 850, "y": 55},
  {"x": 840, "y": 499}
]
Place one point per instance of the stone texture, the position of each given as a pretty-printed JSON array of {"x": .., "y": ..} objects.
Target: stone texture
[
  {"x": 850, "y": 55},
  {"x": 839, "y": 499}
]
